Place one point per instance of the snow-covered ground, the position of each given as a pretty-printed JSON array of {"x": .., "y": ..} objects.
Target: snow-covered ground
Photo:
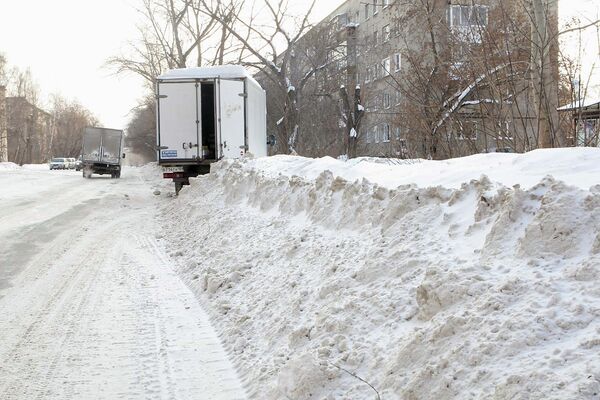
[
  {"x": 90, "y": 307},
  {"x": 475, "y": 278}
]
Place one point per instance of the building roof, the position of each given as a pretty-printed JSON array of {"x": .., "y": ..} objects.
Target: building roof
[{"x": 585, "y": 105}]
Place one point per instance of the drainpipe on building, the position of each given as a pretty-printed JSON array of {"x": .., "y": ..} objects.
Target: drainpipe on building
[{"x": 3, "y": 126}]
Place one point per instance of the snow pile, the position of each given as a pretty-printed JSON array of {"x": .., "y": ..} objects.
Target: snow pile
[
  {"x": 579, "y": 167},
  {"x": 151, "y": 173},
  {"x": 8, "y": 166},
  {"x": 36, "y": 167},
  {"x": 326, "y": 288}
]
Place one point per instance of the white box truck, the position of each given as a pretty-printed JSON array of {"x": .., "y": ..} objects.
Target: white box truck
[
  {"x": 206, "y": 114},
  {"x": 102, "y": 152}
]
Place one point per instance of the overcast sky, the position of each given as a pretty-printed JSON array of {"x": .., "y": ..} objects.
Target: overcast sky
[{"x": 66, "y": 43}]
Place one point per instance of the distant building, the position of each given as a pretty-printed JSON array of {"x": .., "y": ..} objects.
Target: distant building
[
  {"x": 585, "y": 116},
  {"x": 25, "y": 131}
]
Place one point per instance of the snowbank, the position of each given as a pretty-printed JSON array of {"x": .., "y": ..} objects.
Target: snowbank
[
  {"x": 578, "y": 166},
  {"x": 36, "y": 167},
  {"x": 472, "y": 290},
  {"x": 8, "y": 166}
]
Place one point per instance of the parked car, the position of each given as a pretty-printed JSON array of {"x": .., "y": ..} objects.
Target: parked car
[
  {"x": 78, "y": 164},
  {"x": 59, "y": 163}
]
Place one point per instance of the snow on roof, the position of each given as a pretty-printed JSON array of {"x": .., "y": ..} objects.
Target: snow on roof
[
  {"x": 221, "y": 71},
  {"x": 581, "y": 104}
]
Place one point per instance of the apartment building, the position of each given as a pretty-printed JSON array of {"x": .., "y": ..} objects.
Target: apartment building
[
  {"x": 439, "y": 81},
  {"x": 25, "y": 131}
]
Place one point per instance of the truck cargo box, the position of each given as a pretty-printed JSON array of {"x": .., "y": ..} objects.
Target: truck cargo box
[
  {"x": 206, "y": 114},
  {"x": 101, "y": 152}
]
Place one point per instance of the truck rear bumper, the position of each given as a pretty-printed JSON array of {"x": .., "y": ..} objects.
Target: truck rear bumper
[{"x": 101, "y": 169}]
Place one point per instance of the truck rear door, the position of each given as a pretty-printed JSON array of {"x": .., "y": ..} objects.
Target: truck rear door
[
  {"x": 92, "y": 145},
  {"x": 111, "y": 146},
  {"x": 178, "y": 128},
  {"x": 232, "y": 117}
]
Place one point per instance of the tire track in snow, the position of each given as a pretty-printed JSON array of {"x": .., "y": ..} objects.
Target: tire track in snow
[{"x": 107, "y": 318}]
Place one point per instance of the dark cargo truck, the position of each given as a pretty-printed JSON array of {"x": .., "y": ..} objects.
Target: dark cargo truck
[{"x": 102, "y": 152}]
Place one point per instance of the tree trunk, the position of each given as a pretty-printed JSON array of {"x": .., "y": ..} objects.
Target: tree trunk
[{"x": 544, "y": 53}]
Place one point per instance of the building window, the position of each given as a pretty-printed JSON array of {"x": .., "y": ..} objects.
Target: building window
[
  {"x": 397, "y": 132},
  {"x": 386, "y": 133},
  {"x": 398, "y": 97},
  {"x": 386, "y": 3},
  {"x": 369, "y": 136},
  {"x": 468, "y": 130},
  {"x": 367, "y": 11},
  {"x": 377, "y": 71},
  {"x": 467, "y": 16},
  {"x": 376, "y": 133},
  {"x": 375, "y": 38},
  {"x": 397, "y": 61},
  {"x": 385, "y": 64},
  {"x": 387, "y": 103},
  {"x": 385, "y": 37},
  {"x": 375, "y": 7}
]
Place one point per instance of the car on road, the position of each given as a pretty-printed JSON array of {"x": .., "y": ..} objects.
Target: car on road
[{"x": 59, "y": 163}]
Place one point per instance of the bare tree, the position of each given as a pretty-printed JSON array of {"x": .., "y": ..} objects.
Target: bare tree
[
  {"x": 352, "y": 114},
  {"x": 3, "y": 70},
  {"x": 3, "y": 116},
  {"x": 269, "y": 37},
  {"x": 175, "y": 34},
  {"x": 141, "y": 130},
  {"x": 70, "y": 119},
  {"x": 470, "y": 84}
]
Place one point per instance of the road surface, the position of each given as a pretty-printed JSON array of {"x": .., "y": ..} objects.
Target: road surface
[{"x": 90, "y": 307}]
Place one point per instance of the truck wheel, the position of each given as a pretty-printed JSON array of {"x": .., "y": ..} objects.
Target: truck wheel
[{"x": 118, "y": 175}]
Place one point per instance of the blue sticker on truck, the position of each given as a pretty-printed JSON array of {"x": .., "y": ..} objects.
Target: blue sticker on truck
[{"x": 168, "y": 154}]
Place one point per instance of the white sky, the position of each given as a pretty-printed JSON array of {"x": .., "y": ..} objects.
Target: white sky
[{"x": 66, "y": 43}]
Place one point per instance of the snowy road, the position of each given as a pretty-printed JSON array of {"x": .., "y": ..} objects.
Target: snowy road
[{"x": 89, "y": 305}]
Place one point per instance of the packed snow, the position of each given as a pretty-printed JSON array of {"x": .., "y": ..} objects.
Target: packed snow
[
  {"x": 462, "y": 279},
  {"x": 90, "y": 306}
]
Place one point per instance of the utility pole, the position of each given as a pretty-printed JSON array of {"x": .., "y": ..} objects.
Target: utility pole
[
  {"x": 544, "y": 62},
  {"x": 3, "y": 126}
]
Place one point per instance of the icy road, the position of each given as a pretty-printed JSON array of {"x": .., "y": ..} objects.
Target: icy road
[{"x": 89, "y": 305}]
